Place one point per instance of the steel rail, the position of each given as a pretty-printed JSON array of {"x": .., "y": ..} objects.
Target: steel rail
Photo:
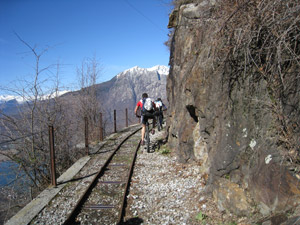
[
  {"x": 76, "y": 210},
  {"x": 122, "y": 209}
]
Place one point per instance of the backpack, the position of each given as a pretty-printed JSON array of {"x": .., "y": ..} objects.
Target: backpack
[
  {"x": 158, "y": 105},
  {"x": 147, "y": 104}
]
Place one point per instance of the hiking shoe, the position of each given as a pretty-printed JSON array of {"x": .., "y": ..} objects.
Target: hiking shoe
[
  {"x": 142, "y": 143},
  {"x": 152, "y": 131}
]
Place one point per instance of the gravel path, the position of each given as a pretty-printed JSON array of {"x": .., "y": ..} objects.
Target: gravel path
[{"x": 164, "y": 191}]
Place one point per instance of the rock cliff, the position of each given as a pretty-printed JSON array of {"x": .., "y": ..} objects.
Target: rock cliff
[{"x": 233, "y": 92}]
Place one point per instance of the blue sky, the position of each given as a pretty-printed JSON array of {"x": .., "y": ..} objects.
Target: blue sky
[{"x": 119, "y": 33}]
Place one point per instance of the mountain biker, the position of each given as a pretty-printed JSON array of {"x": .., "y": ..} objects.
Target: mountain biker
[
  {"x": 160, "y": 107},
  {"x": 145, "y": 115}
]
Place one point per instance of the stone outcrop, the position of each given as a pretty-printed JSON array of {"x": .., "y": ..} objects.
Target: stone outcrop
[{"x": 233, "y": 91}]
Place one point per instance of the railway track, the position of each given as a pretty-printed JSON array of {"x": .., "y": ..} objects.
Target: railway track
[
  {"x": 99, "y": 194},
  {"x": 103, "y": 201}
]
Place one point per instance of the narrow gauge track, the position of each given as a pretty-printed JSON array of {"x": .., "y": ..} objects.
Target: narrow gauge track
[{"x": 103, "y": 202}]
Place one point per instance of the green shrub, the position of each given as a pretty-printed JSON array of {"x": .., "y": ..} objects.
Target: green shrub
[
  {"x": 165, "y": 150},
  {"x": 201, "y": 217}
]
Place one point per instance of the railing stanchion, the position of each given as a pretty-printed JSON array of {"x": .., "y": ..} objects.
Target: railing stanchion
[
  {"x": 86, "y": 135},
  {"x": 101, "y": 127},
  {"x": 52, "y": 156}
]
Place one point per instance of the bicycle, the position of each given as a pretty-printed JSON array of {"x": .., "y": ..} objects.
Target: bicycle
[{"x": 147, "y": 133}]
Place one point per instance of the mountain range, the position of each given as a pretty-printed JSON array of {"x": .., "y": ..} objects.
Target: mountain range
[
  {"x": 126, "y": 89},
  {"x": 122, "y": 91}
]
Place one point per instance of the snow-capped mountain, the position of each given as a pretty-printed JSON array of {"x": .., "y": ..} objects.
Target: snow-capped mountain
[
  {"x": 126, "y": 89},
  {"x": 131, "y": 83},
  {"x": 20, "y": 100},
  {"x": 7, "y": 98},
  {"x": 122, "y": 91},
  {"x": 161, "y": 70},
  {"x": 9, "y": 104}
]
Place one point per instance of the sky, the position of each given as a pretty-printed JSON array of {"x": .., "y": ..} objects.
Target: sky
[{"x": 120, "y": 34}]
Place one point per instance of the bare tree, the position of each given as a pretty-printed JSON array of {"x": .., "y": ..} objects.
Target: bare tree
[
  {"x": 26, "y": 132},
  {"x": 89, "y": 105}
]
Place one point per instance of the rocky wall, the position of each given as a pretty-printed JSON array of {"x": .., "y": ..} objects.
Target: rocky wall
[{"x": 222, "y": 111}]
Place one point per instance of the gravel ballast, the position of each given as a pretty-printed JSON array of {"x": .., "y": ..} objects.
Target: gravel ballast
[{"x": 164, "y": 191}]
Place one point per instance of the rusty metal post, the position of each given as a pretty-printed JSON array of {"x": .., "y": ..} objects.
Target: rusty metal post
[
  {"x": 52, "y": 156},
  {"x": 101, "y": 127},
  {"x": 115, "y": 121},
  {"x": 86, "y": 135},
  {"x": 126, "y": 116}
]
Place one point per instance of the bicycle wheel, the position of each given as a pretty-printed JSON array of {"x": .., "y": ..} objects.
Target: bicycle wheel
[
  {"x": 158, "y": 123},
  {"x": 161, "y": 121}
]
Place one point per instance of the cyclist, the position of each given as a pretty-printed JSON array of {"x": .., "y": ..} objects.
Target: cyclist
[
  {"x": 145, "y": 114},
  {"x": 160, "y": 107}
]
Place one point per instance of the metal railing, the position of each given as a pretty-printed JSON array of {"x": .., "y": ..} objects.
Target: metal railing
[{"x": 120, "y": 120}]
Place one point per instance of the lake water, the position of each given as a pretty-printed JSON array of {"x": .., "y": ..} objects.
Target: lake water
[{"x": 8, "y": 172}]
